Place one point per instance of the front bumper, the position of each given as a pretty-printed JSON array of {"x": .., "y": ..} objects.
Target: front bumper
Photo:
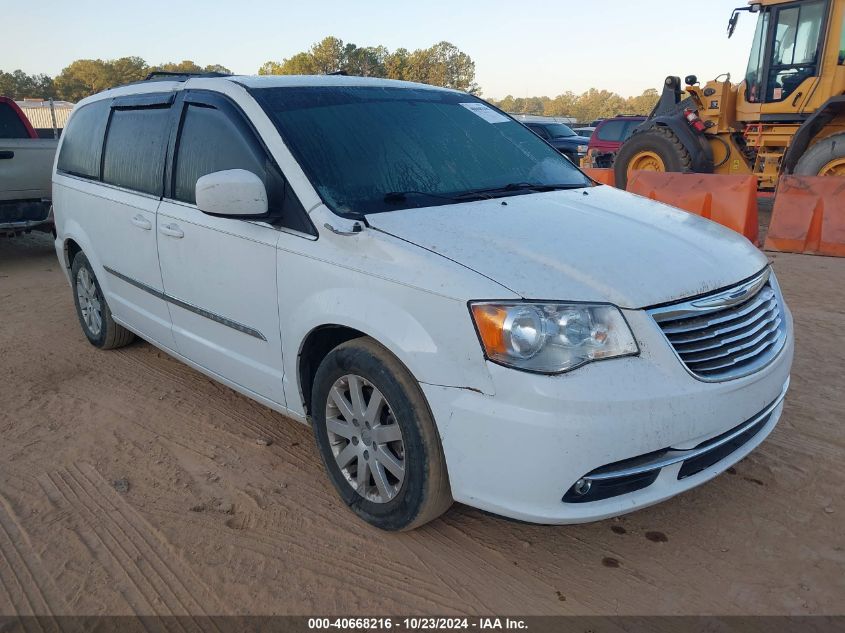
[{"x": 519, "y": 452}]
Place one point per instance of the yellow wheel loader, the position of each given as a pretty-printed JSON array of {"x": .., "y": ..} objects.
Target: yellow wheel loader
[{"x": 787, "y": 116}]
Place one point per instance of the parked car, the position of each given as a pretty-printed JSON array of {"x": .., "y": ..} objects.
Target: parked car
[
  {"x": 586, "y": 132},
  {"x": 26, "y": 164},
  {"x": 561, "y": 137},
  {"x": 453, "y": 307},
  {"x": 608, "y": 138}
]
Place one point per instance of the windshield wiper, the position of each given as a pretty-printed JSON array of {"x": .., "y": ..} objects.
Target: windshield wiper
[
  {"x": 395, "y": 197},
  {"x": 515, "y": 187}
]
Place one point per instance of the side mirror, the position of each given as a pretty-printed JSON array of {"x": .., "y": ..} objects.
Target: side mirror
[
  {"x": 235, "y": 193},
  {"x": 732, "y": 23}
]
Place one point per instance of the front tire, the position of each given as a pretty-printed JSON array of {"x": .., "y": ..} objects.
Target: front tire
[
  {"x": 825, "y": 158},
  {"x": 94, "y": 313},
  {"x": 377, "y": 437},
  {"x": 656, "y": 149}
]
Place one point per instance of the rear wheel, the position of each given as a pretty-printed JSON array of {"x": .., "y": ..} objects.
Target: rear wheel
[
  {"x": 657, "y": 149},
  {"x": 93, "y": 311},
  {"x": 825, "y": 158},
  {"x": 377, "y": 437}
]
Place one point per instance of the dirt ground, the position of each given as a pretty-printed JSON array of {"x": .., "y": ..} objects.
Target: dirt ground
[{"x": 130, "y": 483}]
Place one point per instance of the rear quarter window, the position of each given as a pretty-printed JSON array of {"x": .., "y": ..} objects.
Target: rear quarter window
[
  {"x": 613, "y": 131},
  {"x": 11, "y": 125},
  {"x": 629, "y": 129},
  {"x": 135, "y": 149},
  {"x": 82, "y": 146}
]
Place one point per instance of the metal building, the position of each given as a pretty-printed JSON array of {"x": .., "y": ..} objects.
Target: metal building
[{"x": 41, "y": 115}]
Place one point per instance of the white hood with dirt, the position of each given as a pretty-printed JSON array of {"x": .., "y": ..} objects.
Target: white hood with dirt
[{"x": 598, "y": 244}]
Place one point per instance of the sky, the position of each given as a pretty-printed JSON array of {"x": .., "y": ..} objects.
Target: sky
[{"x": 523, "y": 49}]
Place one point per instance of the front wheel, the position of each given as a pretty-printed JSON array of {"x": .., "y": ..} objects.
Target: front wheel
[
  {"x": 377, "y": 437},
  {"x": 656, "y": 149},
  {"x": 825, "y": 158}
]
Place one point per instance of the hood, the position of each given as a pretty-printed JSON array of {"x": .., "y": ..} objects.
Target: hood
[{"x": 599, "y": 244}]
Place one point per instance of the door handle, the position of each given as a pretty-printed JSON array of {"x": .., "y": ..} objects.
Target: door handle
[
  {"x": 6, "y": 155},
  {"x": 172, "y": 230},
  {"x": 142, "y": 222}
]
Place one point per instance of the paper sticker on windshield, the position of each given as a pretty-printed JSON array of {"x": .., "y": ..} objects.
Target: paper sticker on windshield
[{"x": 485, "y": 112}]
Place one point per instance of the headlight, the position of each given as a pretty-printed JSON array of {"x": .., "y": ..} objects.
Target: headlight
[
  {"x": 551, "y": 337},
  {"x": 582, "y": 149}
]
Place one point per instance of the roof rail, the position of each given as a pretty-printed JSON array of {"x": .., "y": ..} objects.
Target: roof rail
[{"x": 175, "y": 75}]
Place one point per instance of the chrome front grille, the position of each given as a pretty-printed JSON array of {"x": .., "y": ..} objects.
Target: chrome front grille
[{"x": 727, "y": 334}]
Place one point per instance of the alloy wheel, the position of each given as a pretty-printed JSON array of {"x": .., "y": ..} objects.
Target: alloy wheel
[
  {"x": 89, "y": 302},
  {"x": 366, "y": 440}
]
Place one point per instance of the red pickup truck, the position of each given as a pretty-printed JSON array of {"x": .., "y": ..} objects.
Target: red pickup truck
[{"x": 26, "y": 166}]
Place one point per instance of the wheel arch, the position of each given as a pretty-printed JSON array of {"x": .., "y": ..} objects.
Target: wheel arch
[
  {"x": 810, "y": 129},
  {"x": 314, "y": 348},
  {"x": 70, "y": 249},
  {"x": 414, "y": 334},
  {"x": 696, "y": 144}
]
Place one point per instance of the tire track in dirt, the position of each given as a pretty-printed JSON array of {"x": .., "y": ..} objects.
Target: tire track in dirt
[
  {"x": 308, "y": 558},
  {"x": 154, "y": 581},
  {"x": 245, "y": 419},
  {"x": 27, "y": 587}
]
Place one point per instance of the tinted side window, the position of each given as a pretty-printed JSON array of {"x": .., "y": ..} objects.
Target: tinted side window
[
  {"x": 539, "y": 130},
  {"x": 629, "y": 129},
  {"x": 135, "y": 148},
  {"x": 82, "y": 146},
  {"x": 10, "y": 124},
  {"x": 612, "y": 131},
  {"x": 842, "y": 43},
  {"x": 211, "y": 141}
]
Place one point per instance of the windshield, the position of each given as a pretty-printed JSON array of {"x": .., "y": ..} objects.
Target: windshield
[
  {"x": 754, "y": 74},
  {"x": 777, "y": 70},
  {"x": 558, "y": 130},
  {"x": 372, "y": 149}
]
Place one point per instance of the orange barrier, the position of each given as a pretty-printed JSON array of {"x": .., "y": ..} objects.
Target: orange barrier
[
  {"x": 729, "y": 200},
  {"x": 604, "y": 176},
  {"x": 809, "y": 216}
]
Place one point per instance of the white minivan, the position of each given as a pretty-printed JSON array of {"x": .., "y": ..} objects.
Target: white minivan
[{"x": 457, "y": 310}]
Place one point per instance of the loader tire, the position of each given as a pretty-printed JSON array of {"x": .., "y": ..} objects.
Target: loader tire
[
  {"x": 657, "y": 149},
  {"x": 825, "y": 158}
]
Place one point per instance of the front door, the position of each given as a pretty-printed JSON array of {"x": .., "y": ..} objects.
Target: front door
[{"x": 219, "y": 273}]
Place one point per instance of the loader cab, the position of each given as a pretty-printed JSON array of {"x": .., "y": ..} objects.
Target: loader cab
[{"x": 796, "y": 58}]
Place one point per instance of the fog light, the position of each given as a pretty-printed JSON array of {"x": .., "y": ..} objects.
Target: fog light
[{"x": 582, "y": 487}]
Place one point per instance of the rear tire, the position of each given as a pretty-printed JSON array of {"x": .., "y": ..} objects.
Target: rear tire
[
  {"x": 398, "y": 430},
  {"x": 825, "y": 158},
  {"x": 94, "y": 313},
  {"x": 662, "y": 143}
]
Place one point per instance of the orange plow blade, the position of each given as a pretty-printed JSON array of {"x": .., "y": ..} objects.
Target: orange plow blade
[
  {"x": 604, "y": 176},
  {"x": 729, "y": 200},
  {"x": 809, "y": 216}
]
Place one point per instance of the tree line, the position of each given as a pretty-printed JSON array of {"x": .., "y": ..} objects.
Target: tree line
[
  {"x": 588, "y": 106},
  {"x": 442, "y": 64},
  {"x": 84, "y": 77}
]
